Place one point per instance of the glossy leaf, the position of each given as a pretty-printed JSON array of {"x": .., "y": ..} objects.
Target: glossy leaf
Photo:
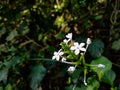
[
  {"x": 100, "y": 71},
  {"x": 75, "y": 75},
  {"x": 109, "y": 77},
  {"x": 96, "y": 48}
]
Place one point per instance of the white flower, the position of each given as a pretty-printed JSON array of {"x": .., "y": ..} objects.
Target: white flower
[
  {"x": 66, "y": 41},
  {"x": 101, "y": 66},
  {"x": 57, "y": 55},
  {"x": 63, "y": 59},
  {"x": 71, "y": 69},
  {"x": 69, "y": 36},
  {"x": 88, "y": 41},
  {"x": 78, "y": 47}
]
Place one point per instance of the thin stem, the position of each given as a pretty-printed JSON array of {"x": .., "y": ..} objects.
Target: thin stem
[
  {"x": 47, "y": 59},
  {"x": 85, "y": 72},
  {"x": 74, "y": 87}
]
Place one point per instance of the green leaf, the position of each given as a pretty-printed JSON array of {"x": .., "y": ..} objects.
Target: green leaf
[
  {"x": 75, "y": 87},
  {"x": 81, "y": 88},
  {"x": 37, "y": 74},
  {"x": 1, "y": 88},
  {"x": 3, "y": 48},
  {"x": 2, "y": 31},
  {"x": 40, "y": 36},
  {"x": 100, "y": 71},
  {"x": 12, "y": 35},
  {"x": 69, "y": 87},
  {"x": 8, "y": 87},
  {"x": 75, "y": 75},
  {"x": 118, "y": 87},
  {"x": 98, "y": 17},
  {"x": 116, "y": 45},
  {"x": 59, "y": 21},
  {"x": 13, "y": 62},
  {"x": 96, "y": 48},
  {"x": 109, "y": 77},
  {"x": 3, "y": 74},
  {"x": 23, "y": 28},
  {"x": 93, "y": 84},
  {"x": 90, "y": 87}
]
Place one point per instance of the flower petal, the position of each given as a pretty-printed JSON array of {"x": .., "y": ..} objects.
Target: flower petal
[
  {"x": 76, "y": 44},
  {"x": 83, "y": 49},
  {"x": 53, "y": 57},
  {"x": 61, "y": 53},
  {"x": 58, "y": 58},
  {"x": 69, "y": 36},
  {"x": 71, "y": 69},
  {"x": 66, "y": 41},
  {"x": 82, "y": 44},
  {"x": 63, "y": 59},
  {"x": 88, "y": 41},
  {"x": 101, "y": 66},
  {"x": 55, "y": 53},
  {"x": 72, "y": 48},
  {"x": 77, "y": 51}
]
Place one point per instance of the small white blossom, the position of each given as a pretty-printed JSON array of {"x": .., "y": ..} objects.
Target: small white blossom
[
  {"x": 69, "y": 36},
  {"x": 57, "y": 55},
  {"x": 78, "y": 47},
  {"x": 66, "y": 41},
  {"x": 71, "y": 69},
  {"x": 63, "y": 59},
  {"x": 101, "y": 66},
  {"x": 88, "y": 41}
]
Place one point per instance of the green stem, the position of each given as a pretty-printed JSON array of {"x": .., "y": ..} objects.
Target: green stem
[{"x": 74, "y": 87}]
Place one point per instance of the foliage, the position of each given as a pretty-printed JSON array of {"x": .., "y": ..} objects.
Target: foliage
[{"x": 31, "y": 30}]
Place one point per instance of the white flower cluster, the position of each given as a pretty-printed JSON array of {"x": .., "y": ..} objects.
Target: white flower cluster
[{"x": 76, "y": 47}]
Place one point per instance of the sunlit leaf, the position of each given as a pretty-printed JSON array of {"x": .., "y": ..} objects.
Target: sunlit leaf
[
  {"x": 59, "y": 21},
  {"x": 8, "y": 87}
]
